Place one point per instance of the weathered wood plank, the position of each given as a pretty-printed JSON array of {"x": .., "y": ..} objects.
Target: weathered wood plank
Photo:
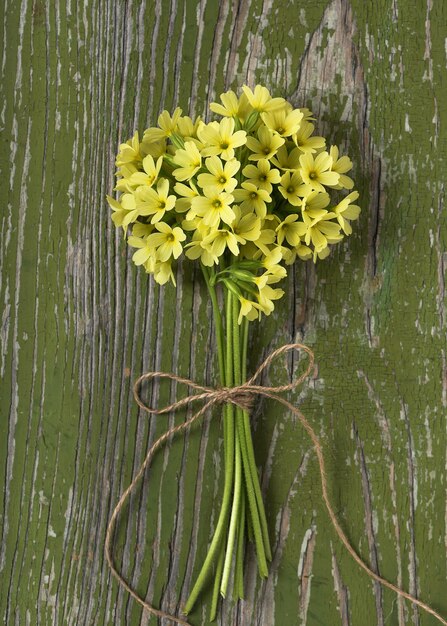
[{"x": 79, "y": 323}]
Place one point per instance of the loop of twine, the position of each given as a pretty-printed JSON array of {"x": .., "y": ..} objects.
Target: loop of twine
[{"x": 242, "y": 396}]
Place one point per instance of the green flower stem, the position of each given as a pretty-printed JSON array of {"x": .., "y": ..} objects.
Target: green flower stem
[
  {"x": 254, "y": 513},
  {"x": 217, "y": 323},
  {"x": 242, "y": 504},
  {"x": 238, "y": 585},
  {"x": 244, "y": 348},
  {"x": 217, "y": 579},
  {"x": 250, "y": 472},
  {"x": 250, "y": 533},
  {"x": 234, "y": 519},
  {"x": 238, "y": 591},
  {"x": 251, "y": 453},
  {"x": 256, "y": 485},
  {"x": 229, "y": 436}
]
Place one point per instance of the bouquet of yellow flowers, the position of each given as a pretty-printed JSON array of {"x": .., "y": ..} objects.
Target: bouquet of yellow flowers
[{"x": 245, "y": 196}]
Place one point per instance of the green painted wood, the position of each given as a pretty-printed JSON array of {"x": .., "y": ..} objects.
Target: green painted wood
[{"x": 79, "y": 322}]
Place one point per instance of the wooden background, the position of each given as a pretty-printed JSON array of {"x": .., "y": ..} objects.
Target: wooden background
[{"x": 79, "y": 323}]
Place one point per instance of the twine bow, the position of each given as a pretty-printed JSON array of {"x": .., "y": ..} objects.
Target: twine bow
[{"x": 242, "y": 396}]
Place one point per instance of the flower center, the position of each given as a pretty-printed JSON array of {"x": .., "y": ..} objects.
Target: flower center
[
  {"x": 162, "y": 204},
  {"x": 224, "y": 145},
  {"x": 280, "y": 130},
  {"x": 290, "y": 189},
  {"x": 253, "y": 195},
  {"x": 217, "y": 204},
  {"x": 263, "y": 178},
  {"x": 267, "y": 150},
  {"x": 312, "y": 175},
  {"x": 222, "y": 180}
]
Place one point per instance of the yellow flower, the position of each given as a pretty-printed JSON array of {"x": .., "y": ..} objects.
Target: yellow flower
[
  {"x": 272, "y": 262},
  {"x": 167, "y": 242},
  {"x": 322, "y": 254},
  {"x": 219, "y": 138},
  {"x": 189, "y": 161},
  {"x": 123, "y": 175},
  {"x": 341, "y": 166},
  {"x": 142, "y": 230},
  {"x": 221, "y": 174},
  {"x": 183, "y": 204},
  {"x": 266, "y": 296},
  {"x": 305, "y": 142},
  {"x": 124, "y": 210},
  {"x": 151, "y": 171},
  {"x": 250, "y": 215},
  {"x": 213, "y": 207},
  {"x": 163, "y": 273},
  {"x": 252, "y": 198},
  {"x": 304, "y": 252},
  {"x": 262, "y": 175},
  {"x": 155, "y": 203},
  {"x": 282, "y": 122},
  {"x": 186, "y": 127},
  {"x": 292, "y": 188},
  {"x": 307, "y": 114},
  {"x": 291, "y": 229},
  {"x": 246, "y": 225},
  {"x": 276, "y": 272},
  {"x": 316, "y": 172},
  {"x": 346, "y": 211},
  {"x": 261, "y": 100},
  {"x": 145, "y": 251},
  {"x": 218, "y": 240},
  {"x": 249, "y": 309},
  {"x": 261, "y": 281},
  {"x": 129, "y": 152},
  {"x": 196, "y": 250},
  {"x": 195, "y": 224},
  {"x": 231, "y": 106},
  {"x": 167, "y": 126},
  {"x": 320, "y": 230},
  {"x": 266, "y": 238},
  {"x": 265, "y": 146},
  {"x": 155, "y": 149},
  {"x": 314, "y": 202},
  {"x": 286, "y": 160}
]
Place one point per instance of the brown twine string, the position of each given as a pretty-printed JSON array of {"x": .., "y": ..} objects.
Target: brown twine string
[{"x": 242, "y": 396}]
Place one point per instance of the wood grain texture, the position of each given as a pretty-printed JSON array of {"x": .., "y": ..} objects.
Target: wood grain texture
[{"x": 79, "y": 322}]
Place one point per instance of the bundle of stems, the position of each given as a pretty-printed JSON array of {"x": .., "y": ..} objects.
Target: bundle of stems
[{"x": 242, "y": 511}]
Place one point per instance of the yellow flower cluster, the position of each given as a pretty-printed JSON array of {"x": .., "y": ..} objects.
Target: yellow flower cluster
[{"x": 245, "y": 195}]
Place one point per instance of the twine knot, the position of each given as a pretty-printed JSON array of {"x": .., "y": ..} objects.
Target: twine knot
[{"x": 242, "y": 396}]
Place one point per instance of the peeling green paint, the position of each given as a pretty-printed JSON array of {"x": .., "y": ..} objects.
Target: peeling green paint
[{"x": 79, "y": 323}]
